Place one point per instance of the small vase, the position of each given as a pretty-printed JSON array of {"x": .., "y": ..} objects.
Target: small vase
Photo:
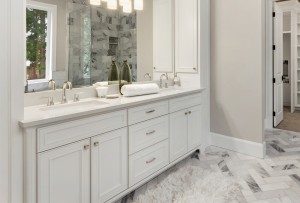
[
  {"x": 125, "y": 75},
  {"x": 113, "y": 74}
]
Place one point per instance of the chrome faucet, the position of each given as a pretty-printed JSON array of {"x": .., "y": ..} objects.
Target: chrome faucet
[
  {"x": 65, "y": 86},
  {"x": 147, "y": 75},
  {"x": 161, "y": 81},
  {"x": 52, "y": 86}
]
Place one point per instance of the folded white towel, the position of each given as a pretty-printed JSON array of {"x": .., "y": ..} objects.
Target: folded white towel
[
  {"x": 100, "y": 84},
  {"x": 139, "y": 89}
]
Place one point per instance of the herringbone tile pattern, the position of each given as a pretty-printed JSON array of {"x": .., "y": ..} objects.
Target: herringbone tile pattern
[{"x": 272, "y": 180}]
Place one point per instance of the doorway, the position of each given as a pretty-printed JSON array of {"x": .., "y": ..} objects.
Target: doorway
[{"x": 286, "y": 68}]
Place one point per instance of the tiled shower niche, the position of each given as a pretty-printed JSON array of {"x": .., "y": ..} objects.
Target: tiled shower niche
[{"x": 112, "y": 36}]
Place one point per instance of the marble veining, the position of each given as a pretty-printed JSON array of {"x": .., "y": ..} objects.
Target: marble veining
[{"x": 273, "y": 179}]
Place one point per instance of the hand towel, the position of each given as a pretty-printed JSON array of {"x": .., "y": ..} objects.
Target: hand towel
[{"x": 139, "y": 89}]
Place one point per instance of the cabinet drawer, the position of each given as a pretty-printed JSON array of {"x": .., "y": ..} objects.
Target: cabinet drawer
[
  {"x": 65, "y": 133},
  {"x": 148, "y": 161},
  {"x": 145, "y": 134},
  {"x": 146, "y": 112},
  {"x": 185, "y": 102}
]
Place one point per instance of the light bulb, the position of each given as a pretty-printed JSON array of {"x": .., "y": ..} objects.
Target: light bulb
[
  {"x": 139, "y": 5},
  {"x": 127, "y": 7},
  {"x": 123, "y": 2},
  {"x": 95, "y": 2},
  {"x": 112, "y": 4}
]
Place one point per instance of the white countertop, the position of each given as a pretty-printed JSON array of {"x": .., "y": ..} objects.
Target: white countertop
[{"x": 34, "y": 116}]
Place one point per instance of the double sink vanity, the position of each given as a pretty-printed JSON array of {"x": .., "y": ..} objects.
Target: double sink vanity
[{"x": 98, "y": 150}]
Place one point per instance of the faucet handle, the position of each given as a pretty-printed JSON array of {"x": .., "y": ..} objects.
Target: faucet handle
[
  {"x": 50, "y": 100},
  {"x": 52, "y": 84}
]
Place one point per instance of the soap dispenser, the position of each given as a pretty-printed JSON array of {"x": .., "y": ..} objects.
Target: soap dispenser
[
  {"x": 125, "y": 75},
  {"x": 113, "y": 74}
]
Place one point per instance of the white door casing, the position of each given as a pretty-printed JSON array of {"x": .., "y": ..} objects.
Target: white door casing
[{"x": 278, "y": 67}]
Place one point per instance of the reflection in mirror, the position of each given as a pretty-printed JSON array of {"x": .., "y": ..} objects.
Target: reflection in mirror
[{"x": 72, "y": 40}]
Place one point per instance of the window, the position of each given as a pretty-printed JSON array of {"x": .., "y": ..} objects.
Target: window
[{"x": 40, "y": 41}]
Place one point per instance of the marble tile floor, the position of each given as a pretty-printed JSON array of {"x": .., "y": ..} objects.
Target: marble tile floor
[{"x": 273, "y": 179}]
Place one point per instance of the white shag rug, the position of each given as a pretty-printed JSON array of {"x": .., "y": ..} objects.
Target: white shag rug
[{"x": 190, "y": 184}]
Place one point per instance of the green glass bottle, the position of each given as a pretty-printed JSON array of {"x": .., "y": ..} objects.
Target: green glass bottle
[
  {"x": 113, "y": 74},
  {"x": 125, "y": 75}
]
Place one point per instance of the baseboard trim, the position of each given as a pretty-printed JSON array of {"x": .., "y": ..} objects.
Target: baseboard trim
[{"x": 238, "y": 145}]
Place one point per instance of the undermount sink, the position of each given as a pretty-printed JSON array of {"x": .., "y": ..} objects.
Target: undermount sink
[
  {"x": 75, "y": 105},
  {"x": 170, "y": 89}
]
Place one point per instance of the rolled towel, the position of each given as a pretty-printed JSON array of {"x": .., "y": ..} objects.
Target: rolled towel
[{"x": 139, "y": 89}]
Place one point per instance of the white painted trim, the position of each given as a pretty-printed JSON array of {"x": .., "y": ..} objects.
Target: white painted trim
[
  {"x": 5, "y": 102},
  {"x": 16, "y": 88},
  {"x": 269, "y": 66},
  {"x": 238, "y": 145},
  {"x": 204, "y": 63}
]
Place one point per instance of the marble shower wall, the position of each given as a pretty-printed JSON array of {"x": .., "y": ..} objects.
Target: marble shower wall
[
  {"x": 113, "y": 36},
  {"x": 79, "y": 44}
]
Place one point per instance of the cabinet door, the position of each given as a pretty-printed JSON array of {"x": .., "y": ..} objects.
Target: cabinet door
[
  {"x": 162, "y": 36},
  {"x": 109, "y": 165},
  {"x": 194, "y": 127},
  {"x": 178, "y": 134},
  {"x": 64, "y": 174},
  {"x": 186, "y": 31}
]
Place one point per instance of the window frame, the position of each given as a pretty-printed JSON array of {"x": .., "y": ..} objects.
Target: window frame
[{"x": 51, "y": 38}]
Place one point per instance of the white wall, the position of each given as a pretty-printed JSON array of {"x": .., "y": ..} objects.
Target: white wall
[{"x": 238, "y": 68}]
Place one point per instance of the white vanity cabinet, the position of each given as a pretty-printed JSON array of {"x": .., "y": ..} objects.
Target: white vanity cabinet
[
  {"x": 109, "y": 161},
  {"x": 186, "y": 36},
  {"x": 175, "y": 35},
  {"x": 64, "y": 174},
  {"x": 100, "y": 158},
  {"x": 185, "y": 125}
]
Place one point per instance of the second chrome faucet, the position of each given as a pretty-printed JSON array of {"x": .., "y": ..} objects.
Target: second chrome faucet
[{"x": 67, "y": 85}]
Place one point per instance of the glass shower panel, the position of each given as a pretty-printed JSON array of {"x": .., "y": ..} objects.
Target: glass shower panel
[{"x": 80, "y": 46}]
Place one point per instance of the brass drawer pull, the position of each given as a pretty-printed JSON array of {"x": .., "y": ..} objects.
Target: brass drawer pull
[
  {"x": 151, "y": 111},
  {"x": 151, "y": 160},
  {"x": 150, "y": 133}
]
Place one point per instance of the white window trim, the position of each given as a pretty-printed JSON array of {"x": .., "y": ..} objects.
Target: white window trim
[{"x": 51, "y": 38}]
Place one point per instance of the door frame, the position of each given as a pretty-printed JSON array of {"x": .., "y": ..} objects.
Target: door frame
[{"x": 269, "y": 66}]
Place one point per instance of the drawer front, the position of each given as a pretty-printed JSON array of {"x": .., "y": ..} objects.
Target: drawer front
[
  {"x": 185, "y": 102},
  {"x": 145, "y": 134},
  {"x": 148, "y": 161},
  {"x": 65, "y": 133},
  {"x": 147, "y": 112}
]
